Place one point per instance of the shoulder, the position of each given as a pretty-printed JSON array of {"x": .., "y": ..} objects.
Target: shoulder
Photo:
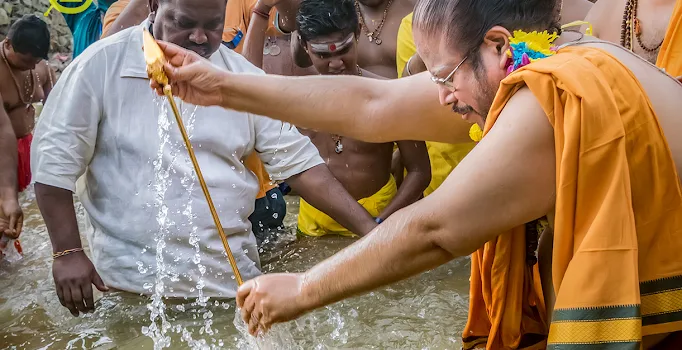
[
  {"x": 235, "y": 62},
  {"x": 105, "y": 55}
]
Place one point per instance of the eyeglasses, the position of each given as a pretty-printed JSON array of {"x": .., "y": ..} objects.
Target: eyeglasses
[{"x": 447, "y": 81}]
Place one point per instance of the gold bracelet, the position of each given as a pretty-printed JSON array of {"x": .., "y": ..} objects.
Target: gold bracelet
[{"x": 66, "y": 252}]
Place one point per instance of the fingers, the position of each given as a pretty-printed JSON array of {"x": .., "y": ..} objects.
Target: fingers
[
  {"x": 60, "y": 295},
  {"x": 243, "y": 291},
  {"x": 20, "y": 224},
  {"x": 99, "y": 284},
  {"x": 246, "y": 310},
  {"x": 254, "y": 322},
  {"x": 86, "y": 291},
  {"x": 176, "y": 55},
  {"x": 68, "y": 301},
  {"x": 77, "y": 298}
]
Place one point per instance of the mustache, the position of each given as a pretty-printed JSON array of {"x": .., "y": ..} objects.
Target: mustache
[
  {"x": 462, "y": 110},
  {"x": 200, "y": 49}
]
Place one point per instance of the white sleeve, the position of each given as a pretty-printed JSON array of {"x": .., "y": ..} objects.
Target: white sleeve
[
  {"x": 64, "y": 139},
  {"x": 284, "y": 151}
]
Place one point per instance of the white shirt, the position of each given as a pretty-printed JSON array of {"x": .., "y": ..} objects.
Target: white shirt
[{"x": 102, "y": 121}]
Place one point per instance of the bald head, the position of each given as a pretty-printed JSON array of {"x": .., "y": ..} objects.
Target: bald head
[{"x": 196, "y": 25}]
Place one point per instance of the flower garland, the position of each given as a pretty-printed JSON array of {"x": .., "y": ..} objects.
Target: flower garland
[{"x": 524, "y": 48}]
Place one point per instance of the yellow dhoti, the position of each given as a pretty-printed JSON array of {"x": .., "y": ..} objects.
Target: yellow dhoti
[{"x": 313, "y": 222}]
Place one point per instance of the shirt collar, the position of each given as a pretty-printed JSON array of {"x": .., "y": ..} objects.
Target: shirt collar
[{"x": 134, "y": 65}]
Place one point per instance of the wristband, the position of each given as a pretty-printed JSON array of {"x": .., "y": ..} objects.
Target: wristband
[
  {"x": 66, "y": 252},
  {"x": 261, "y": 13},
  {"x": 378, "y": 220}
]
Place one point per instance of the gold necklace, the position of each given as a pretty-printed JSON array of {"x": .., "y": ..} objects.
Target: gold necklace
[
  {"x": 31, "y": 80},
  {"x": 338, "y": 144},
  {"x": 373, "y": 36}
]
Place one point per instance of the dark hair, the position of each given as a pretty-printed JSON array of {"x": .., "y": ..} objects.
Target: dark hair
[
  {"x": 30, "y": 35},
  {"x": 465, "y": 22},
  {"x": 318, "y": 18}
]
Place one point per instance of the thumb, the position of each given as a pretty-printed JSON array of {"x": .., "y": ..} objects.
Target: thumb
[
  {"x": 99, "y": 284},
  {"x": 243, "y": 291},
  {"x": 11, "y": 230}
]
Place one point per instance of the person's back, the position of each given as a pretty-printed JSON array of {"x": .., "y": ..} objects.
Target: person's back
[
  {"x": 664, "y": 93},
  {"x": 611, "y": 22},
  {"x": 363, "y": 168}
]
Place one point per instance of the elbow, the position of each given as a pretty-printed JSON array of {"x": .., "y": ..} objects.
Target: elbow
[{"x": 442, "y": 233}]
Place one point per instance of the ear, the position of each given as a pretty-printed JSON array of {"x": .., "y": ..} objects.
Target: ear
[
  {"x": 496, "y": 41},
  {"x": 153, "y": 7}
]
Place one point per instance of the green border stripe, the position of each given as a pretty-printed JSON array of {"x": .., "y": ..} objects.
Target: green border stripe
[
  {"x": 662, "y": 285},
  {"x": 662, "y": 318},
  {"x": 599, "y": 346},
  {"x": 596, "y": 314}
]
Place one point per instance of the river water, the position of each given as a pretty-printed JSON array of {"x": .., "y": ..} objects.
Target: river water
[{"x": 425, "y": 312}]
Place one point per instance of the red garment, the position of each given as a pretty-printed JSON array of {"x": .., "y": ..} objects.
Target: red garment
[{"x": 24, "y": 161}]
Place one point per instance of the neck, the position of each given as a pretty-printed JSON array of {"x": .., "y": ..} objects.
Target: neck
[{"x": 379, "y": 7}]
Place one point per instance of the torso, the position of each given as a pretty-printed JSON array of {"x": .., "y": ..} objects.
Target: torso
[
  {"x": 362, "y": 168},
  {"x": 653, "y": 15},
  {"x": 380, "y": 59},
  {"x": 22, "y": 115}
]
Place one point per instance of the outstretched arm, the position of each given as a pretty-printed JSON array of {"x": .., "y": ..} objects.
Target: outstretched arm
[
  {"x": 504, "y": 182},
  {"x": 370, "y": 110}
]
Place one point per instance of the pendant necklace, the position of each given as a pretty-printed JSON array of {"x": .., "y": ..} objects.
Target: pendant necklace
[
  {"x": 372, "y": 36},
  {"x": 338, "y": 144}
]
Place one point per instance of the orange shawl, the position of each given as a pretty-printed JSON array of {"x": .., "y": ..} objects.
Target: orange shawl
[
  {"x": 616, "y": 264},
  {"x": 670, "y": 56}
]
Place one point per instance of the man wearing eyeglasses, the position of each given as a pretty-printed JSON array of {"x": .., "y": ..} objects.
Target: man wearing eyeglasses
[{"x": 585, "y": 139}]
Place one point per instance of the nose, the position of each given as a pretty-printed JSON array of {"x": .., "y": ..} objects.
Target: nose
[
  {"x": 198, "y": 36},
  {"x": 446, "y": 96},
  {"x": 335, "y": 64}
]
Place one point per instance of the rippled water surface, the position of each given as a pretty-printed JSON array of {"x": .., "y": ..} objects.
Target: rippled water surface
[{"x": 426, "y": 312}]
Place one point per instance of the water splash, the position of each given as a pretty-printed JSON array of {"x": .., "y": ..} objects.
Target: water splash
[
  {"x": 160, "y": 325},
  {"x": 279, "y": 337}
]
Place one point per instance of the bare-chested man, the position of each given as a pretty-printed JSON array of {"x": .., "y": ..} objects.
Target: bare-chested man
[
  {"x": 639, "y": 26},
  {"x": 576, "y": 137},
  {"x": 329, "y": 31},
  {"x": 379, "y": 22},
  {"x": 26, "y": 79}
]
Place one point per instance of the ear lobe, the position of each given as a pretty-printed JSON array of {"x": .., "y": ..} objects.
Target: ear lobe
[{"x": 498, "y": 39}]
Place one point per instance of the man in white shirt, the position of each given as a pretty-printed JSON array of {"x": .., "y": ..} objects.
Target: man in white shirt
[{"x": 102, "y": 121}]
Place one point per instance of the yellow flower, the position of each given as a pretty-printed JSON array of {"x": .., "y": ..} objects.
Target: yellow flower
[
  {"x": 475, "y": 133},
  {"x": 536, "y": 41}
]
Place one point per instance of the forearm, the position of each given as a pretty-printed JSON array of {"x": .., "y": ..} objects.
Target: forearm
[
  {"x": 321, "y": 189},
  {"x": 134, "y": 13},
  {"x": 402, "y": 244},
  {"x": 56, "y": 207},
  {"x": 255, "y": 36},
  {"x": 410, "y": 191},
  {"x": 334, "y": 104},
  {"x": 388, "y": 110},
  {"x": 8, "y": 157}
]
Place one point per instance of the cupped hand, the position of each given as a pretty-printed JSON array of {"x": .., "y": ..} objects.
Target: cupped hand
[
  {"x": 192, "y": 78},
  {"x": 11, "y": 217},
  {"x": 271, "y": 299},
  {"x": 74, "y": 275}
]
